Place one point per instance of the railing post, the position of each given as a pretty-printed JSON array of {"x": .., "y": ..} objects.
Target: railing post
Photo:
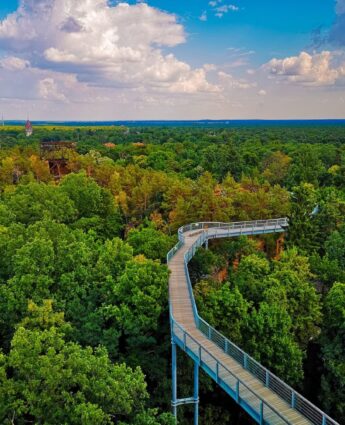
[
  {"x": 226, "y": 346},
  {"x": 217, "y": 372},
  {"x": 324, "y": 420},
  {"x": 267, "y": 380},
  {"x": 209, "y": 332},
  {"x": 199, "y": 354},
  {"x": 196, "y": 393},
  {"x": 237, "y": 391},
  {"x": 245, "y": 360},
  {"x": 174, "y": 379},
  {"x": 184, "y": 341},
  {"x": 293, "y": 399},
  {"x": 206, "y": 244},
  {"x": 261, "y": 413}
]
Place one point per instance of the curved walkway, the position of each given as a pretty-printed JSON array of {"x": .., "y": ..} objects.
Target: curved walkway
[{"x": 266, "y": 398}]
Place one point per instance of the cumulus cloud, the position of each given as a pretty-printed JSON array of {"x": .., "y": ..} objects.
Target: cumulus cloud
[
  {"x": 229, "y": 81},
  {"x": 209, "y": 67},
  {"x": 262, "y": 92},
  {"x": 48, "y": 90},
  {"x": 320, "y": 69},
  {"x": 103, "y": 45},
  {"x": 12, "y": 63}
]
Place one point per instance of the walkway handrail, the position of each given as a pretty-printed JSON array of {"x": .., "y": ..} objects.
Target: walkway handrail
[
  {"x": 218, "y": 369},
  {"x": 271, "y": 381}
]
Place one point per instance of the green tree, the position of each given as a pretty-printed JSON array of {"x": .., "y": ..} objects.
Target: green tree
[
  {"x": 150, "y": 242},
  {"x": 303, "y": 302},
  {"x": 333, "y": 350},
  {"x": 306, "y": 167},
  {"x": 270, "y": 340},
  {"x": 34, "y": 201},
  {"x": 251, "y": 276},
  {"x": 302, "y": 226},
  {"x": 223, "y": 308},
  {"x": 335, "y": 247},
  {"x": 47, "y": 379},
  {"x": 276, "y": 167}
]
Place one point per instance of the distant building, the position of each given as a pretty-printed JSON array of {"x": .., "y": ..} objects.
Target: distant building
[
  {"x": 57, "y": 154},
  {"x": 109, "y": 145},
  {"x": 28, "y": 128}
]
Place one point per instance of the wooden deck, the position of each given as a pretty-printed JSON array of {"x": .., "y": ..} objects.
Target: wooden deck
[{"x": 182, "y": 312}]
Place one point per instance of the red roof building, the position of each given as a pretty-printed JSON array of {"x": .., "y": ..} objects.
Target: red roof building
[{"x": 28, "y": 128}]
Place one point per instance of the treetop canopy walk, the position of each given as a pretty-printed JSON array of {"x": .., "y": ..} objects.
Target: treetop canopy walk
[{"x": 266, "y": 398}]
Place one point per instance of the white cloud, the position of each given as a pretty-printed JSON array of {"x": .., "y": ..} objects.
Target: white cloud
[
  {"x": 203, "y": 16},
  {"x": 225, "y": 8},
  {"x": 320, "y": 69},
  {"x": 229, "y": 81},
  {"x": 262, "y": 92},
  {"x": 13, "y": 63},
  {"x": 208, "y": 67},
  {"x": 220, "y": 9},
  {"x": 105, "y": 46},
  {"x": 48, "y": 90}
]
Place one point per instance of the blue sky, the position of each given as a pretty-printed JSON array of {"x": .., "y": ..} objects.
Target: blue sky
[{"x": 215, "y": 58}]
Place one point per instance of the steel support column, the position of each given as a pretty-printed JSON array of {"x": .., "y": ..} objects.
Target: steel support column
[
  {"x": 196, "y": 393},
  {"x": 175, "y": 402},
  {"x": 174, "y": 379}
]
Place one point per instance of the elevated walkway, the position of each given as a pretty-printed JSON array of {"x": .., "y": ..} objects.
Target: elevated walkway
[{"x": 266, "y": 398}]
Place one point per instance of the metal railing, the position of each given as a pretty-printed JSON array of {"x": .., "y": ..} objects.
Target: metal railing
[
  {"x": 265, "y": 413},
  {"x": 284, "y": 391},
  {"x": 245, "y": 225},
  {"x": 174, "y": 250}
]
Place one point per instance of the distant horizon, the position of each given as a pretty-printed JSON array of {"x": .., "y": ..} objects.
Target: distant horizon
[
  {"x": 173, "y": 120},
  {"x": 203, "y": 123}
]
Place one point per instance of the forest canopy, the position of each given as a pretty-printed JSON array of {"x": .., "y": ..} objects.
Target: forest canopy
[{"x": 84, "y": 324}]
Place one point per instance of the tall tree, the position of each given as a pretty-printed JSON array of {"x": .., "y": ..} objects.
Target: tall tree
[{"x": 333, "y": 350}]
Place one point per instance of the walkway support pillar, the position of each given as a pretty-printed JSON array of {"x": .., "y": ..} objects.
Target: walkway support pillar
[
  {"x": 174, "y": 379},
  {"x": 206, "y": 244},
  {"x": 196, "y": 393}
]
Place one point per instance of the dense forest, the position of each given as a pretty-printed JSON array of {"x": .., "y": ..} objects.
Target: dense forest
[{"x": 84, "y": 322}]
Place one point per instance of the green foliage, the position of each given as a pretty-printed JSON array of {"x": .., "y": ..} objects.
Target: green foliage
[
  {"x": 52, "y": 380},
  {"x": 150, "y": 242},
  {"x": 270, "y": 341},
  {"x": 333, "y": 349},
  {"x": 34, "y": 201},
  {"x": 223, "y": 308},
  {"x": 205, "y": 263},
  {"x": 335, "y": 247},
  {"x": 307, "y": 166},
  {"x": 250, "y": 277},
  {"x": 60, "y": 241},
  {"x": 303, "y": 302},
  {"x": 302, "y": 227}
]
